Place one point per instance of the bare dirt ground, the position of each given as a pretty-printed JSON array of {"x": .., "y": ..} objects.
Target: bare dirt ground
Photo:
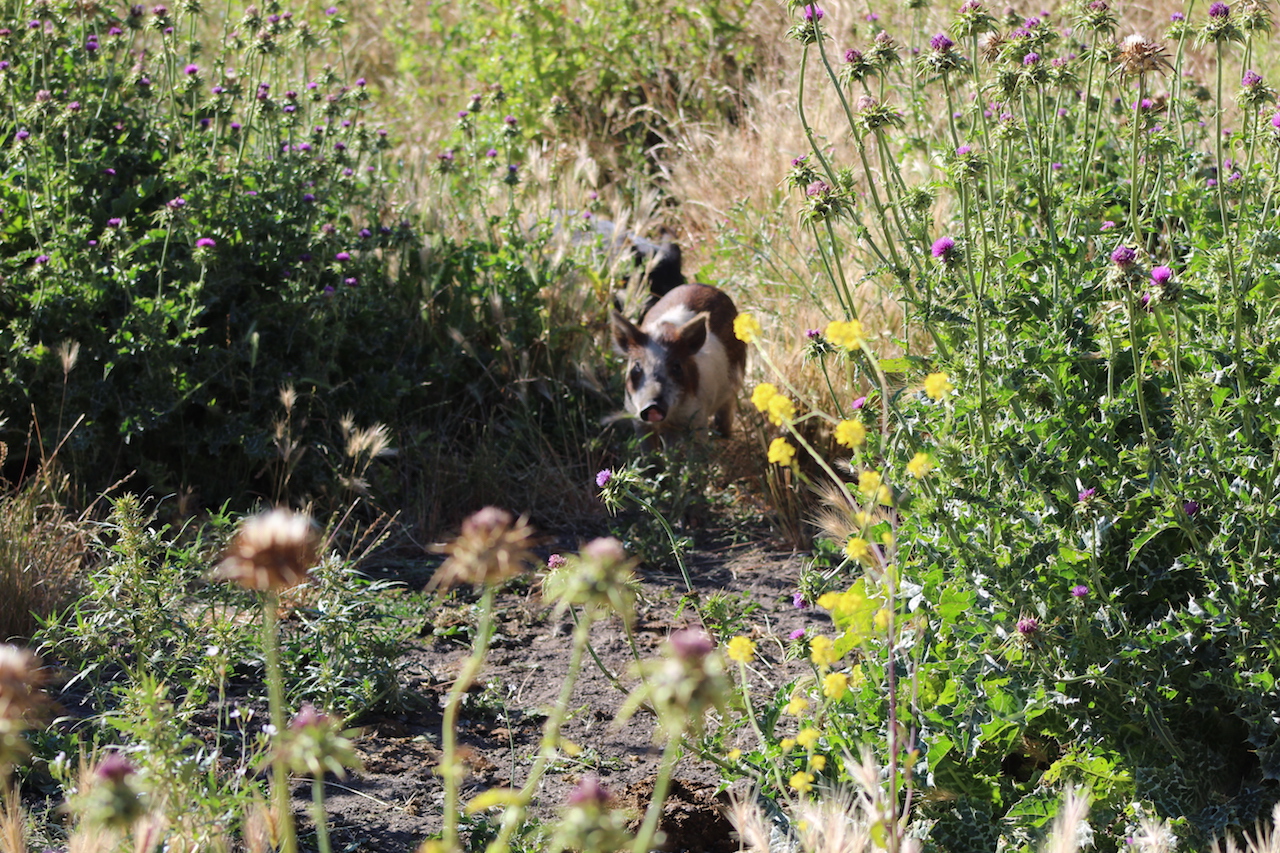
[{"x": 395, "y": 802}]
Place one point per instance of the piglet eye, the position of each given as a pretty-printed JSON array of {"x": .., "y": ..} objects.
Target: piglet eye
[
  {"x": 677, "y": 371},
  {"x": 637, "y": 372}
]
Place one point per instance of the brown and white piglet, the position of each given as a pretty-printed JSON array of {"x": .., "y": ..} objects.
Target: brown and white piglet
[{"x": 684, "y": 364}]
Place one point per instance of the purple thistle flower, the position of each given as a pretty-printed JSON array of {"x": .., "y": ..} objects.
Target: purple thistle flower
[
  {"x": 813, "y": 13},
  {"x": 963, "y": 150},
  {"x": 1031, "y": 58},
  {"x": 603, "y": 477},
  {"x": 351, "y": 281},
  {"x": 1124, "y": 257},
  {"x": 941, "y": 43},
  {"x": 690, "y": 644},
  {"x": 797, "y": 634},
  {"x": 1107, "y": 225},
  {"x": 943, "y": 248},
  {"x": 1161, "y": 275},
  {"x": 850, "y": 55},
  {"x": 115, "y": 222},
  {"x": 114, "y": 767},
  {"x": 491, "y": 153},
  {"x": 589, "y": 793},
  {"x": 308, "y": 197},
  {"x": 191, "y": 70},
  {"x": 813, "y": 334},
  {"x": 556, "y": 561},
  {"x": 24, "y": 133},
  {"x": 177, "y": 203},
  {"x": 1175, "y": 17},
  {"x": 1028, "y": 625},
  {"x": 1191, "y": 508},
  {"x": 206, "y": 243},
  {"x": 798, "y": 602},
  {"x": 858, "y": 403},
  {"x": 1079, "y": 591},
  {"x": 1086, "y": 494},
  {"x": 332, "y": 10},
  {"x": 817, "y": 188},
  {"x": 342, "y": 256},
  {"x": 42, "y": 259},
  {"x": 1219, "y": 10},
  {"x": 1251, "y": 78}
]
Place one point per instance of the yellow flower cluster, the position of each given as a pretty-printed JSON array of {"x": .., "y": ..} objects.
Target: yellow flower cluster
[
  {"x": 781, "y": 452},
  {"x": 741, "y": 649},
  {"x": 822, "y": 651},
  {"x": 872, "y": 487},
  {"x": 797, "y": 706},
  {"x": 857, "y": 549},
  {"x": 834, "y": 685},
  {"x": 845, "y": 333},
  {"x": 746, "y": 328},
  {"x": 851, "y": 433},
  {"x": 938, "y": 385},
  {"x": 920, "y": 465},
  {"x": 808, "y": 738},
  {"x": 802, "y": 781},
  {"x": 781, "y": 409}
]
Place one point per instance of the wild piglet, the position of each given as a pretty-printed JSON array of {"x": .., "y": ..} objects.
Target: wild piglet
[{"x": 684, "y": 364}]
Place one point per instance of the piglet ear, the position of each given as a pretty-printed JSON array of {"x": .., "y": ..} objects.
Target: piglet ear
[
  {"x": 625, "y": 333},
  {"x": 693, "y": 334}
]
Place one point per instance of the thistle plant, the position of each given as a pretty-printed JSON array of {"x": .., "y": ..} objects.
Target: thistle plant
[
  {"x": 492, "y": 547},
  {"x": 273, "y": 552}
]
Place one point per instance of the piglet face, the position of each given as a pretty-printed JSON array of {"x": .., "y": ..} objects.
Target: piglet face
[{"x": 662, "y": 374}]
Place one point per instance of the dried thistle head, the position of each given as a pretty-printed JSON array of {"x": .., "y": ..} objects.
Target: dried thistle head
[
  {"x": 492, "y": 547},
  {"x": 1138, "y": 56},
  {"x": 21, "y": 680},
  {"x": 272, "y": 551}
]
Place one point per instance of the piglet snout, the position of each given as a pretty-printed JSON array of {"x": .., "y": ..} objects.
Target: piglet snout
[{"x": 653, "y": 414}]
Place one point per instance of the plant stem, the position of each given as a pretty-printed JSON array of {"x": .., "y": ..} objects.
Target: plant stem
[
  {"x": 275, "y": 697},
  {"x": 670, "y": 757},
  {"x": 450, "y": 768}
]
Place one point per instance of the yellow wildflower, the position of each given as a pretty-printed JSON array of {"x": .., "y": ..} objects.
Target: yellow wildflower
[
  {"x": 829, "y": 600},
  {"x": 938, "y": 385},
  {"x": 746, "y": 328},
  {"x": 796, "y": 706},
  {"x": 834, "y": 685},
  {"x": 822, "y": 651},
  {"x": 802, "y": 782},
  {"x": 871, "y": 485},
  {"x": 762, "y": 394},
  {"x": 781, "y": 451},
  {"x": 862, "y": 519},
  {"x": 851, "y": 433},
  {"x": 920, "y": 465},
  {"x": 817, "y": 763},
  {"x": 845, "y": 333},
  {"x": 781, "y": 409},
  {"x": 733, "y": 754},
  {"x": 882, "y": 619},
  {"x": 787, "y": 744},
  {"x": 741, "y": 649},
  {"x": 857, "y": 549},
  {"x": 808, "y": 738}
]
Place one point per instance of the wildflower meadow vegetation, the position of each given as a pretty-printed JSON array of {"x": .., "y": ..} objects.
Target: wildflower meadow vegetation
[{"x": 290, "y": 293}]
